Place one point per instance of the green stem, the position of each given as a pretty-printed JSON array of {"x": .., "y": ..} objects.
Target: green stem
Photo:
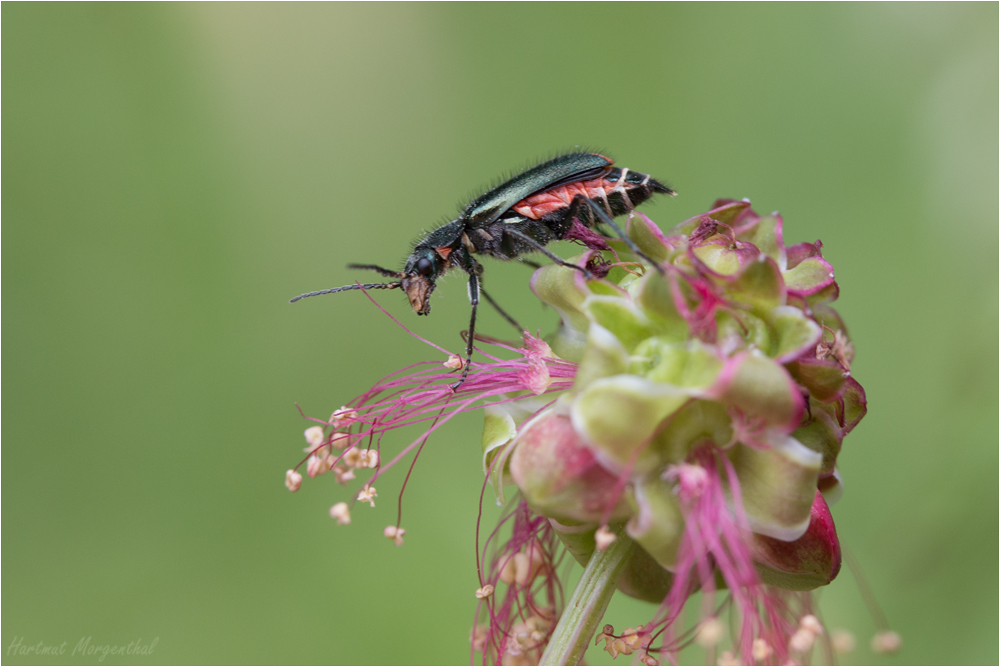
[{"x": 586, "y": 607}]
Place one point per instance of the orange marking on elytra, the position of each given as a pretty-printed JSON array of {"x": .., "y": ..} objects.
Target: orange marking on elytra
[
  {"x": 444, "y": 251},
  {"x": 543, "y": 203}
]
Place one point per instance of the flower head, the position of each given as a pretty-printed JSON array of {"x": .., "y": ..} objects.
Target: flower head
[{"x": 697, "y": 410}]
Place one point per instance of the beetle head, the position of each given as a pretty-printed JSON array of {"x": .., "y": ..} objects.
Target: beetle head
[{"x": 420, "y": 276}]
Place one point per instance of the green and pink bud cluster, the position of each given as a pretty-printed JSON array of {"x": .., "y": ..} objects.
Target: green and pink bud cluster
[
  {"x": 709, "y": 405},
  {"x": 696, "y": 407}
]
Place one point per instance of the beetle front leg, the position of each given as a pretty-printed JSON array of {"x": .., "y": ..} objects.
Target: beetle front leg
[{"x": 470, "y": 344}]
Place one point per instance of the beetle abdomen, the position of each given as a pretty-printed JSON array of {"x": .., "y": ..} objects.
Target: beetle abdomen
[{"x": 618, "y": 191}]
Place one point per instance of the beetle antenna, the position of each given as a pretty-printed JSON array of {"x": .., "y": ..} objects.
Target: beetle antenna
[
  {"x": 378, "y": 269},
  {"x": 348, "y": 287}
]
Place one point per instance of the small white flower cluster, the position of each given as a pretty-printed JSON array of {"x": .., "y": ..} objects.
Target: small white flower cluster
[
  {"x": 524, "y": 566},
  {"x": 527, "y": 639},
  {"x": 630, "y": 641},
  {"x": 324, "y": 452},
  {"x": 809, "y": 629},
  {"x": 395, "y": 534}
]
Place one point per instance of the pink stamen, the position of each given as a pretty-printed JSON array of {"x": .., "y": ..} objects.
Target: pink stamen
[{"x": 716, "y": 539}]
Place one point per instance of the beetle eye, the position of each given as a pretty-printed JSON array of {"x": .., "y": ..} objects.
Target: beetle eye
[{"x": 424, "y": 266}]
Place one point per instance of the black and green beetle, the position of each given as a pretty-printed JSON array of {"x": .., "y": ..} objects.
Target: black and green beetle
[{"x": 515, "y": 218}]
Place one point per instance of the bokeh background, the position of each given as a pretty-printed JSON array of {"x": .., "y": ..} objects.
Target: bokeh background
[{"x": 174, "y": 173}]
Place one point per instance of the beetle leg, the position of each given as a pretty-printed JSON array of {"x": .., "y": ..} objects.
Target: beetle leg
[
  {"x": 581, "y": 201},
  {"x": 548, "y": 253},
  {"x": 502, "y": 312},
  {"x": 474, "y": 300}
]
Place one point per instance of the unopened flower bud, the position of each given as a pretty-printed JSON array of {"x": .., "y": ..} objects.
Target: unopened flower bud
[
  {"x": 812, "y": 624},
  {"x": 343, "y": 416},
  {"x": 314, "y": 436},
  {"x": 603, "y": 537},
  {"x": 484, "y": 592},
  {"x": 342, "y": 513},
  {"x": 728, "y": 658},
  {"x": 886, "y": 641},
  {"x": 355, "y": 458},
  {"x": 761, "y": 650},
  {"x": 314, "y": 466},
  {"x": 454, "y": 362},
  {"x": 524, "y": 569},
  {"x": 559, "y": 475},
  {"x": 710, "y": 632},
  {"x": 649, "y": 660},
  {"x": 395, "y": 534},
  {"x": 371, "y": 459},
  {"x": 539, "y": 628},
  {"x": 340, "y": 440},
  {"x": 508, "y": 571},
  {"x": 343, "y": 474},
  {"x": 802, "y": 640},
  {"x": 843, "y": 641},
  {"x": 293, "y": 480},
  {"x": 478, "y": 635}
]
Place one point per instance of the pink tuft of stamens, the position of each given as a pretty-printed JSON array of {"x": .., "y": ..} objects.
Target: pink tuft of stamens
[
  {"x": 691, "y": 479},
  {"x": 422, "y": 393},
  {"x": 717, "y": 541},
  {"x": 536, "y": 377}
]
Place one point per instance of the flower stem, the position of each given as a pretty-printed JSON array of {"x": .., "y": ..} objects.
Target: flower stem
[{"x": 586, "y": 607}]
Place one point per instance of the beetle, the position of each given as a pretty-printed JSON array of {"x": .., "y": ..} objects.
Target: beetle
[{"x": 517, "y": 217}]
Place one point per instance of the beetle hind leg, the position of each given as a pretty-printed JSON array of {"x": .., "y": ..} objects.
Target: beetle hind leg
[
  {"x": 590, "y": 214},
  {"x": 535, "y": 245},
  {"x": 496, "y": 306}
]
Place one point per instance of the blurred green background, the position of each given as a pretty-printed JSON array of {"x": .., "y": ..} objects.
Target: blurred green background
[{"x": 174, "y": 173}]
